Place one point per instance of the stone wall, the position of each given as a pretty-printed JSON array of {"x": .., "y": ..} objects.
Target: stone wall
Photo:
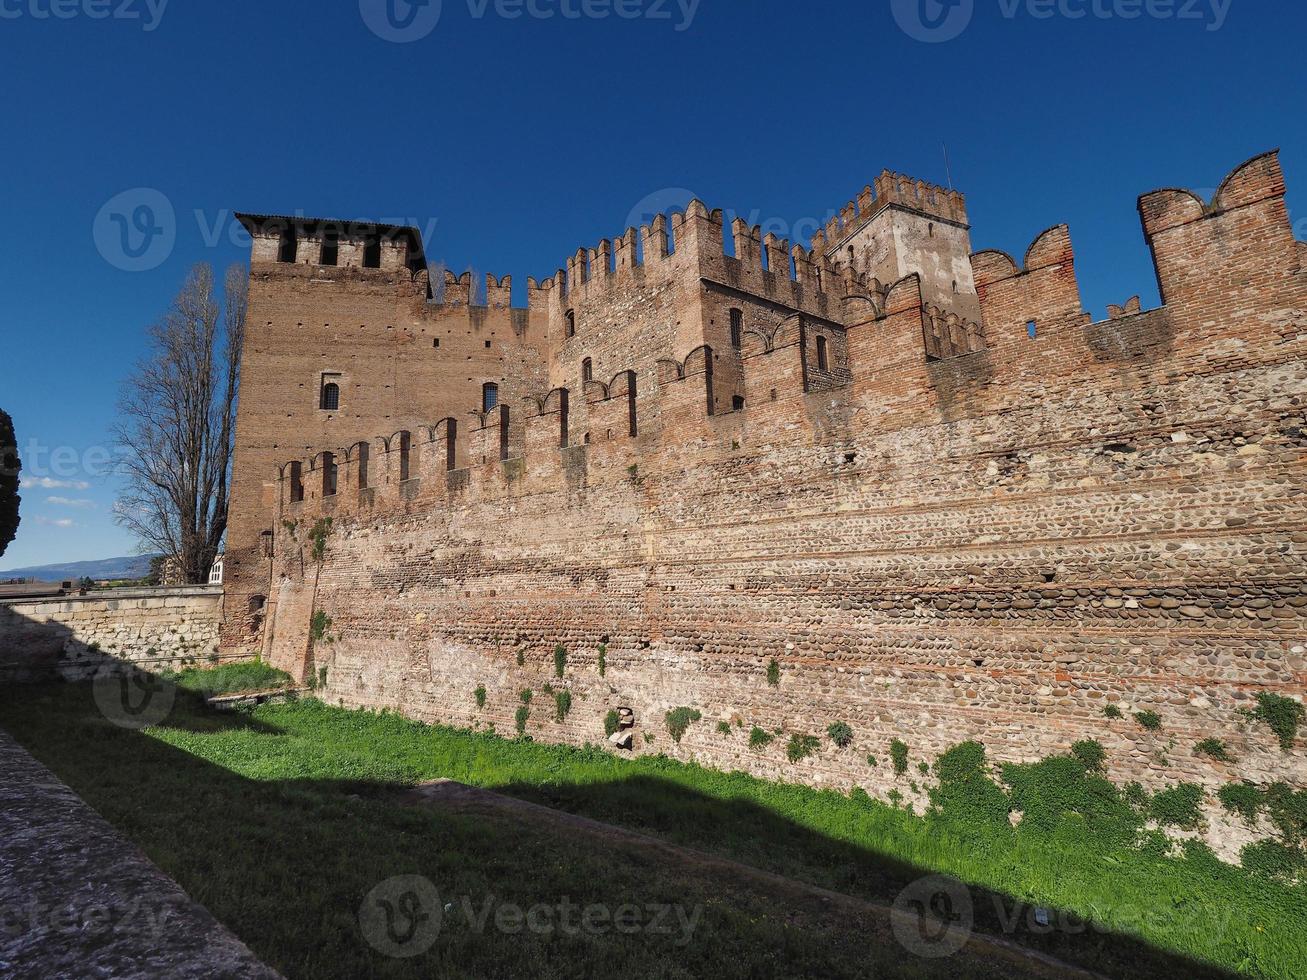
[
  {"x": 992, "y": 546},
  {"x": 63, "y": 637}
]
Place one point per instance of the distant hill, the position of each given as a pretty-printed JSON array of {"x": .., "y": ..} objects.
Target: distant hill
[{"x": 131, "y": 566}]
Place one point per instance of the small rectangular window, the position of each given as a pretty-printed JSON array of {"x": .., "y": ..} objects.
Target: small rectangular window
[
  {"x": 823, "y": 358},
  {"x": 737, "y": 329},
  {"x": 289, "y": 246},
  {"x": 372, "y": 253},
  {"x": 1032, "y": 328},
  {"x": 330, "y": 249}
]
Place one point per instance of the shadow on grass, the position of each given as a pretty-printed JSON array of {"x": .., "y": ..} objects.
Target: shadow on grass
[{"x": 288, "y": 863}]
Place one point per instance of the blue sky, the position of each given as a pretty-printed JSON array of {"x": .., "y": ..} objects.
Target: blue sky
[{"x": 515, "y": 137}]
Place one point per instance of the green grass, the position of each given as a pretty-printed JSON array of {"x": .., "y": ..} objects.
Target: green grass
[
  {"x": 308, "y": 784},
  {"x": 248, "y": 675}
]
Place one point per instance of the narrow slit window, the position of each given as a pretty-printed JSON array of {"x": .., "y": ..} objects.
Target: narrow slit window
[
  {"x": 587, "y": 370},
  {"x": 1032, "y": 329},
  {"x": 571, "y": 323},
  {"x": 823, "y": 357},
  {"x": 328, "y": 474},
  {"x": 737, "y": 328}
]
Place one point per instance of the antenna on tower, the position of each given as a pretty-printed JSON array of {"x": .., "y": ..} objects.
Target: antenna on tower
[{"x": 947, "y": 169}]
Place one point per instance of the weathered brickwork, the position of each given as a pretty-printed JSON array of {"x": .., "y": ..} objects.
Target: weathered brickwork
[
  {"x": 68, "y": 637},
  {"x": 985, "y": 519}
]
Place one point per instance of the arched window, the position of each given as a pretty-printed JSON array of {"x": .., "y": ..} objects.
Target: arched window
[
  {"x": 571, "y": 323},
  {"x": 489, "y": 396},
  {"x": 330, "y": 400},
  {"x": 587, "y": 370},
  {"x": 823, "y": 359},
  {"x": 737, "y": 329}
]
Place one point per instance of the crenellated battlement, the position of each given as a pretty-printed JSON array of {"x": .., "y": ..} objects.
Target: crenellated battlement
[{"x": 889, "y": 189}]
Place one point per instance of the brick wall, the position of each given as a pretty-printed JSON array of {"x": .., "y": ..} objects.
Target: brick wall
[{"x": 991, "y": 546}]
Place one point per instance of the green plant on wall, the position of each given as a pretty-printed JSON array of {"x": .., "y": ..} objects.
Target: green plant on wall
[
  {"x": 841, "y": 734},
  {"x": 603, "y": 659},
  {"x": 773, "y": 673},
  {"x": 562, "y": 704},
  {"x": 1149, "y": 720},
  {"x": 1214, "y": 748},
  {"x": 612, "y": 722},
  {"x": 1178, "y": 806},
  {"x": 1281, "y": 715},
  {"x": 801, "y": 746},
  {"x": 678, "y": 720},
  {"x": 759, "y": 738},
  {"x": 319, "y": 625},
  {"x": 898, "y": 752},
  {"x": 560, "y": 660},
  {"x": 521, "y": 656},
  {"x": 519, "y": 720},
  {"x": 480, "y": 695},
  {"x": 1112, "y": 711},
  {"x": 1091, "y": 754},
  {"x": 724, "y": 728},
  {"x": 318, "y": 538}
]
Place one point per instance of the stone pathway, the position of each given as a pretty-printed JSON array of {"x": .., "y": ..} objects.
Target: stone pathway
[{"x": 77, "y": 899}]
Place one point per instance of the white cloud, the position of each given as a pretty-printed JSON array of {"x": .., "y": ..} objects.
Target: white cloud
[
  {"x": 51, "y": 522},
  {"x": 70, "y": 502},
  {"x": 46, "y": 483}
]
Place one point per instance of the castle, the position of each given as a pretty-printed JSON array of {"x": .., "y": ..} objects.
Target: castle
[{"x": 883, "y": 480}]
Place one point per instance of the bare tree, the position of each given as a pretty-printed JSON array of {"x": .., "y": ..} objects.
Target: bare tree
[{"x": 177, "y": 424}]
